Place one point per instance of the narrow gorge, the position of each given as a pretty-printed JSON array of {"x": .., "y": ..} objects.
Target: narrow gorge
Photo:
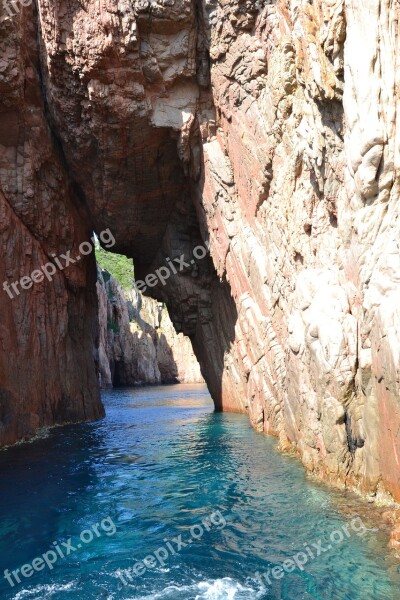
[
  {"x": 266, "y": 132},
  {"x": 138, "y": 343}
]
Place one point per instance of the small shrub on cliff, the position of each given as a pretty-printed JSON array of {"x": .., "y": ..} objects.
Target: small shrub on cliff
[{"x": 120, "y": 267}]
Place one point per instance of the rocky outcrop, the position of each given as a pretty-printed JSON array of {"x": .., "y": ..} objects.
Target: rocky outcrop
[
  {"x": 270, "y": 131},
  {"x": 48, "y": 331},
  {"x": 301, "y": 198},
  {"x": 138, "y": 343}
]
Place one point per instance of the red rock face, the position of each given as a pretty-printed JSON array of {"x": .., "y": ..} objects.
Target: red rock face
[
  {"x": 268, "y": 131},
  {"x": 300, "y": 195},
  {"x": 48, "y": 333}
]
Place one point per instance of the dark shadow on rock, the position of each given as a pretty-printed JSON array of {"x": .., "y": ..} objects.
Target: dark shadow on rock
[
  {"x": 134, "y": 349},
  {"x": 166, "y": 362},
  {"x": 199, "y": 303}
]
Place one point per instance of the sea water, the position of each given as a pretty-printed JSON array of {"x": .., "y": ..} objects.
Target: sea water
[{"x": 165, "y": 499}]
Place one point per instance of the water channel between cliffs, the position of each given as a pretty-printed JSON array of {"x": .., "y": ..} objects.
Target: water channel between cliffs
[{"x": 161, "y": 467}]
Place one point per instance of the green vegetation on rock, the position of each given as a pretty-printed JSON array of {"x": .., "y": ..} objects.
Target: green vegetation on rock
[{"x": 120, "y": 267}]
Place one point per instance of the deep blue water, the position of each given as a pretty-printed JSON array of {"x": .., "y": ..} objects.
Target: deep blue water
[{"x": 163, "y": 465}]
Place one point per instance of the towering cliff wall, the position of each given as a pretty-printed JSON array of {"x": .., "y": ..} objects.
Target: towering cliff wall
[
  {"x": 48, "y": 332},
  {"x": 301, "y": 187},
  {"x": 269, "y": 130}
]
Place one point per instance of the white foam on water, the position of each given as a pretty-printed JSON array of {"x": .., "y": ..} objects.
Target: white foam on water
[
  {"x": 42, "y": 592},
  {"x": 223, "y": 589},
  {"x": 219, "y": 589}
]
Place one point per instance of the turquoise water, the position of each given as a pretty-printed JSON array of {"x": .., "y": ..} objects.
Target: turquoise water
[{"x": 163, "y": 465}]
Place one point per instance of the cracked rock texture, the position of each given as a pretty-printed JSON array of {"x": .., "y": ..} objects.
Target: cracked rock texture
[
  {"x": 48, "y": 333},
  {"x": 138, "y": 343},
  {"x": 270, "y": 131},
  {"x": 301, "y": 199}
]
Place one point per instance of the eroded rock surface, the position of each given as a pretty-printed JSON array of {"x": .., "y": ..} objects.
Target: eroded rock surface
[
  {"x": 269, "y": 130},
  {"x": 138, "y": 343},
  {"x": 301, "y": 187},
  {"x": 48, "y": 364}
]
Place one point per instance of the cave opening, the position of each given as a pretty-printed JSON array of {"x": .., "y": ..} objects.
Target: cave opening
[{"x": 138, "y": 343}]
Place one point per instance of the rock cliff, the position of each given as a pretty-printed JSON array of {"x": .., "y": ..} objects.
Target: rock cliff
[
  {"x": 267, "y": 129},
  {"x": 138, "y": 343}
]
